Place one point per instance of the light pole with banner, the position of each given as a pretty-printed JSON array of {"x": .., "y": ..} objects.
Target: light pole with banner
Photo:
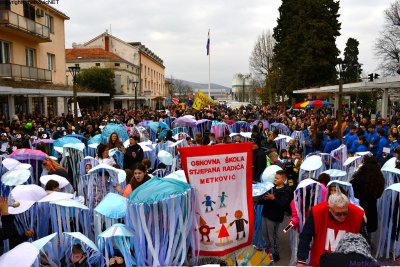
[
  {"x": 74, "y": 72},
  {"x": 135, "y": 84}
]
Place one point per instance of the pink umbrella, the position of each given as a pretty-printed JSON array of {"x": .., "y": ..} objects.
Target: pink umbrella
[
  {"x": 29, "y": 151},
  {"x": 229, "y": 122}
]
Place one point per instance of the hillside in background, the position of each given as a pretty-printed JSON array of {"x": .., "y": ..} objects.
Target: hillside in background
[{"x": 204, "y": 86}]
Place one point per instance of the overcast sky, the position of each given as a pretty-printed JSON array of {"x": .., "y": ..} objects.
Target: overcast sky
[{"x": 176, "y": 30}]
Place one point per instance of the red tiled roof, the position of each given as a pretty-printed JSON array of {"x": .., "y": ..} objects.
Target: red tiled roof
[{"x": 89, "y": 53}]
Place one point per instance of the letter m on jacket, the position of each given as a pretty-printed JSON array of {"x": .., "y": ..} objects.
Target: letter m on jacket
[{"x": 333, "y": 240}]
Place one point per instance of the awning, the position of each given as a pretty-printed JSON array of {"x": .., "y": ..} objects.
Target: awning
[{"x": 158, "y": 98}]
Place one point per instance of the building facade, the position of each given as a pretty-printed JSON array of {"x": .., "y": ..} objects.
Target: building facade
[
  {"x": 125, "y": 72},
  {"x": 152, "y": 76},
  {"x": 32, "y": 55}
]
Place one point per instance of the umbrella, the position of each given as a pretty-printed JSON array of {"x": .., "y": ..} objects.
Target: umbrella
[
  {"x": 143, "y": 123},
  {"x": 311, "y": 163},
  {"x": 280, "y": 126},
  {"x": 95, "y": 139},
  {"x": 68, "y": 202},
  {"x": 185, "y": 121},
  {"x": 268, "y": 175},
  {"x": 121, "y": 173},
  {"x": 117, "y": 229},
  {"x": 15, "y": 177},
  {"x": 77, "y": 146},
  {"x": 178, "y": 175},
  {"x": 30, "y": 192},
  {"x": 229, "y": 122},
  {"x": 62, "y": 181},
  {"x": 114, "y": 128},
  {"x": 163, "y": 134},
  {"x": 40, "y": 243},
  {"x": 154, "y": 125},
  {"x": 302, "y": 104},
  {"x": 83, "y": 239},
  {"x": 315, "y": 104},
  {"x": 46, "y": 141},
  {"x": 165, "y": 157},
  {"x": 66, "y": 140},
  {"x": 259, "y": 189},
  {"x": 23, "y": 255},
  {"x": 112, "y": 206},
  {"x": 22, "y": 151},
  {"x": 13, "y": 164},
  {"x": 56, "y": 196}
]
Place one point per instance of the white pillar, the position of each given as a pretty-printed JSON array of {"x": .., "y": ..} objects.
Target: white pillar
[
  {"x": 60, "y": 106},
  {"x": 124, "y": 104},
  {"x": 45, "y": 111},
  {"x": 66, "y": 106},
  {"x": 11, "y": 106},
  {"x": 29, "y": 106},
  {"x": 385, "y": 101},
  {"x": 336, "y": 102}
]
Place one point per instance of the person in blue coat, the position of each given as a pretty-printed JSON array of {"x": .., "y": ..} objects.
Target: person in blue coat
[
  {"x": 379, "y": 125},
  {"x": 349, "y": 138},
  {"x": 308, "y": 142},
  {"x": 332, "y": 143},
  {"x": 392, "y": 144},
  {"x": 362, "y": 144},
  {"x": 382, "y": 143},
  {"x": 355, "y": 144},
  {"x": 373, "y": 139}
]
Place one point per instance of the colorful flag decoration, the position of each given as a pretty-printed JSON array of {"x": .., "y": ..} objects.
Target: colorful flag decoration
[
  {"x": 175, "y": 101},
  {"x": 202, "y": 101},
  {"x": 208, "y": 44}
]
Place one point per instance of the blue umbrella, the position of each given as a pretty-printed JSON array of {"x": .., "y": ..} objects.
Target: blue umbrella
[
  {"x": 66, "y": 140},
  {"x": 154, "y": 125},
  {"x": 95, "y": 139},
  {"x": 112, "y": 206},
  {"x": 115, "y": 128},
  {"x": 163, "y": 134}
]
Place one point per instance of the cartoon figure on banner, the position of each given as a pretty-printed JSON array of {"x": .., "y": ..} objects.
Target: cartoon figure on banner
[
  {"x": 239, "y": 224},
  {"x": 223, "y": 232},
  {"x": 222, "y": 205},
  {"x": 208, "y": 203},
  {"x": 205, "y": 231}
]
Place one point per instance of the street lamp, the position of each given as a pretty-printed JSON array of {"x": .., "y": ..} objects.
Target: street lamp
[
  {"x": 135, "y": 84},
  {"x": 74, "y": 72}
]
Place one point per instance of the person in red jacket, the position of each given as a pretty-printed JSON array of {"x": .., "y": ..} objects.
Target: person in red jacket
[{"x": 327, "y": 223}]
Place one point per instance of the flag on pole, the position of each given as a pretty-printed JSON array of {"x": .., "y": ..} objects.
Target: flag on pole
[
  {"x": 208, "y": 44},
  {"x": 175, "y": 101}
]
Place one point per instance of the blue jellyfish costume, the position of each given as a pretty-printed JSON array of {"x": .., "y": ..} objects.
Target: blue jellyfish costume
[
  {"x": 390, "y": 172},
  {"x": 235, "y": 128},
  {"x": 117, "y": 240},
  {"x": 114, "y": 128},
  {"x": 72, "y": 157},
  {"x": 311, "y": 167},
  {"x": 336, "y": 174},
  {"x": 388, "y": 223},
  {"x": 340, "y": 154},
  {"x": 303, "y": 190},
  {"x": 87, "y": 160},
  {"x": 259, "y": 190},
  {"x": 70, "y": 239},
  {"x": 111, "y": 210},
  {"x": 351, "y": 165},
  {"x": 347, "y": 187},
  {"x": 160, "y": 212}
]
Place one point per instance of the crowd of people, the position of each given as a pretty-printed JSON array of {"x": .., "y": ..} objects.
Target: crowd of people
[{"x": 336, "y": 215}]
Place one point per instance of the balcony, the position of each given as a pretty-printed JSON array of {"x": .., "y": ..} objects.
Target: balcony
[
  {"x": 18, "y": 25},
  {"x": 20, "y": 72}
]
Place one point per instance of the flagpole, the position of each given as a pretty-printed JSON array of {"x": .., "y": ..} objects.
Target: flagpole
[{"x": 209, "y": 56}]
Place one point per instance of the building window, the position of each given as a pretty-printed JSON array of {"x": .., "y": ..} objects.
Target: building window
[
  {"x": 29, "y": 10},
  {"x": 5, "y": 4},
  {"x": 5, "y": 52},
  {"x": 30, "y": 57},
  {"x": 116, "y": 64},
  {"x": 97, "y": 64},
  {"x": 50, "y": 62},
  {"x": 49, "y": 23}
]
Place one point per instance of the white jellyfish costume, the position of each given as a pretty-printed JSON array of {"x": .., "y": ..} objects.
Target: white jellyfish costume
[
  {"x": 351, "y": 165},
  {"x": 68, "y": 240},
  {"x": 14, "y": 177},
  {"x": 388, "y": 225},
  {"x": 97, "y": 187},
  {"x": 72, "y": 157},
  {"x": 44, "y": 249},
  {"x": 282, "y": 141},
  {"x": 64, "y": 184},
  {"x": 117, "y": 238},
  {"x": 87, "y": 160},
  {"x": 311, "y": 167},
  {"x": 259, "y": 190},
  {"x": 340, "y": 154},
  {"x": 347, "y": 187},
  {"x": 111, "y": 210},
  {"x": 337, "y": 174},
  {"x": 162, "y": 216},
  {"x": 304, "y": 189},
  {"x": 390, "y": 172}
]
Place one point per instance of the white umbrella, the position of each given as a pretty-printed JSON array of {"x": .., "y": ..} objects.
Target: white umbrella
[
  {"x": 15, "y": 177},
  {"x": 56, "y": 196},
  {"x": 23, "y": 255},
  {"x": 165, "y": 157},
  {"x": 28, "y": 192},
  {"x": 62, "y": 181}
]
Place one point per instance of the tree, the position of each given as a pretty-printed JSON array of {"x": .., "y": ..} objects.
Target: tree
[
  {"x": 387, "y": 45},
  {"x": 97, "y": 79},
  {"x": 305, "y": 50},
  {"x": 261, "y": 59},
  {"x": 180, "y": 89},
  {"x": 353, "y": 69}
]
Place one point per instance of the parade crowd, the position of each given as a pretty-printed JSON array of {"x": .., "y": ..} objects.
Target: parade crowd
[{"x": 332, "y": 223}]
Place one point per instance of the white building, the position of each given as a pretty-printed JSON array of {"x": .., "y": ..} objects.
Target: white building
[{"x": 242, "y": 83}]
